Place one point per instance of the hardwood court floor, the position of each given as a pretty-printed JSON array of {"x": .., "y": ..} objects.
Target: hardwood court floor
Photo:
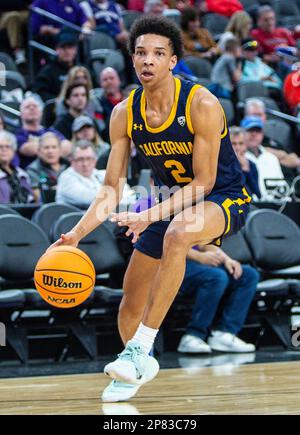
[{"x": 250, "y": 389}]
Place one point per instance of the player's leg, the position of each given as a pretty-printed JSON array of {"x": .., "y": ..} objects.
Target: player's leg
[
  {"x": 179, "y": 238},
  {"x": 187, "y": 229},
  {"x": 137, "y": 285}
]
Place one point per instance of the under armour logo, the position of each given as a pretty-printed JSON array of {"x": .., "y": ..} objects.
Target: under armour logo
[
  {"x": 181, "y": 120},
  {"x": 136, "y": 127}
]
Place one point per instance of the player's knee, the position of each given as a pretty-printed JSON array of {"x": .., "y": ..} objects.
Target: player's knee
[{"x": 175, "y": 238}]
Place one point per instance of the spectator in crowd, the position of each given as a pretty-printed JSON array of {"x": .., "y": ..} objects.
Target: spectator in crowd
[
  {"x": 107, "y": 18},
  {"x": 290, "y": 162},
  {"x": 46, "y": 30},
  {"x": 154, "y": 7},
  {"x": 224, "y": 7},
  {"x": 77, "y": 100},
  {"x": 51, "y": 77},
  {"x": 239, "y": 27},
  {"x": 237, "y": 137},
  {"x": 84, "y": 129},
  {"x": 255, "y": 69},
  {"x": 197, "y": 40},
  {"x": 269, "y": 171},
  {"x": 94, "y": 108},
  {"x": 180, "y": 5},
  {"x": 136, "y": 5},
  {"x": 2, "y": 122},
  {"x": 291, "y": 89},
  {"x": 46, "y": 168},
  {"x": 15, "y": 22},
  {"x": 210, "y": 276},
  {"x": 111, "y": 84},
  {"x": 27, "y": 137},
  {"x": 79, "y": 184},
  {"x": 227, "y": 71},
  {"x": 14, "y": 182},
  {"x": 269, "y": 36}
]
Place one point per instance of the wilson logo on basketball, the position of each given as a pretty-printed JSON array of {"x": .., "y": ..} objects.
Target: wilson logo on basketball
[{"x": 60, "y": 283}]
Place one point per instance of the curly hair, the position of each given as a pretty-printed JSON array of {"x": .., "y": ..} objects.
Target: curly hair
[{"x": 157, "y": 25}]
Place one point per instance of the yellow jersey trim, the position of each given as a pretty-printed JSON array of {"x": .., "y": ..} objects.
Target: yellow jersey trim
[
  {"x": 130, "y": 114},
  {"x": 225, "y": 130},
  {"x": 229, "y": 202},
  {"x": 188, "y": 107},
  {"x": 171, "y": 117}
]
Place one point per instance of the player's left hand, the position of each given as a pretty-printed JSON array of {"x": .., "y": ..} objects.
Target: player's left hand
[
  {"x": 136, "y": 223},
  {"x": 234, "y": 268}
]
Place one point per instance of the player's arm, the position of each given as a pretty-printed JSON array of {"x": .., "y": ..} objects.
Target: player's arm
[
  {"x": 110, "y": 193},
  {"x": 208, "y": 122}
]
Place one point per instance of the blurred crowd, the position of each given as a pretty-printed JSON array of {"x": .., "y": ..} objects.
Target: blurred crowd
[{"x": 59, "y": 147}]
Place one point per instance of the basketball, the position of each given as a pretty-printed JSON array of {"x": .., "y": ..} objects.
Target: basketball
[{"x": 64, "y": 277}]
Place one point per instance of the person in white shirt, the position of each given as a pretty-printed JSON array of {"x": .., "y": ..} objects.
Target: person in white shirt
[
  {"x": 271, "y": 179},
  {"x": 79, "y": 184}
]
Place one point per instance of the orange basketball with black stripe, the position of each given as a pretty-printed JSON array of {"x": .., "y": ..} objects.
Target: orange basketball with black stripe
[{"x": 64, "y": 277}]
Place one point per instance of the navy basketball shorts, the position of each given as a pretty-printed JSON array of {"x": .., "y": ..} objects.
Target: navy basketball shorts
[{"x": 235, "y": 207}]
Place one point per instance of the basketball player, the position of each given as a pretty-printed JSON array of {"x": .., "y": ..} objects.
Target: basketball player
[{"x": 180, "y": 128}]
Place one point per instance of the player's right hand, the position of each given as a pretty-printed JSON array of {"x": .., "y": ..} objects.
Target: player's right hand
[{"x": 69, "y": 239}]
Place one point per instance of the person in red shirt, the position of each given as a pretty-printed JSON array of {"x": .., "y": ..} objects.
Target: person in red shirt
[
  {"x": 224, "y": 7},
  {"x": 291, "y": 88},
  {"x": 269, "y": 36}
]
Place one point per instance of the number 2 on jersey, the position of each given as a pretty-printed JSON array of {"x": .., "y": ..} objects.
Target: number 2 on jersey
[{"x": 178, "y": 171}]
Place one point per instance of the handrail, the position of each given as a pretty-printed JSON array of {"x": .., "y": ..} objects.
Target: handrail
[
  {"x": 10, "y": 109},
  {"x": 55, "y": 18},
  {"x": 43, "y": 48},
  {"x": 283, "y": 115}
]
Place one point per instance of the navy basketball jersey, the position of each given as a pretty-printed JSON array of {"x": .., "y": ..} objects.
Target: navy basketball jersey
[{"x": 168, "y": 149}]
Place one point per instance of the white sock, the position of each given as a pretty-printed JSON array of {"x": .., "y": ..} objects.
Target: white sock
[{"x": 145, "y": 337}]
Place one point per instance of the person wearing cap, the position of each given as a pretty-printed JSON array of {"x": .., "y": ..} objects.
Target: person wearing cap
[
  {"x": 45, "y": 30},
  {"x": 46, "y": 168},
  {"x": 290, "y": 162},
  {"x": 76, "y": 99},
  {"x": 84, "y": 129},
  {"x": 268, "y": 165},
  {"x": 255, "y": 69},
  {"x": 51, "y": 77}
]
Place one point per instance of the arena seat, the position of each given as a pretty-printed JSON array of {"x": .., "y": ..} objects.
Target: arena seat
[
  {"x": 7, "y": 210},
  {"x": 101, "y": 40},
  {"x": 279, "y": 131},
  {"x": 274, "y": 240},
  {"x": 286, "y": 9},
  {"x": 269, "y": 305},
  {"x": 22, "y": 244},
  {"x": 199, "y": 67},
  {"x": 46, "y": 216},
  {"x": 129, "y": 18},
  {"x": 13, "y": 80},
  {"x": 215, "y": 23},
  {"x": 251, "y": 89},
  {"x": 104, "y": 57},
  {"x": 8, "y": 61},
  {"x": 228, "y": 109}
]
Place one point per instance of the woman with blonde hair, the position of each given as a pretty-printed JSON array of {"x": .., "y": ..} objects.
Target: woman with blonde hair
[{"x": 239, "y": 27}]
